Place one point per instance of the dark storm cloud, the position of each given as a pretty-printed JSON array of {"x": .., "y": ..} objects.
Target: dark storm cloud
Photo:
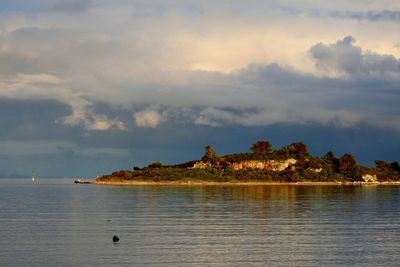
[
  {"x": 355, "y": 87},
  {"x": 131, "y": 82},
  {"x": 257, "y": 95},
  {"x": 31, "y": 119},
  {"x": 373, "y": 16},
  {"x": 370, "y": 16},
  {"x": 343, "y": 56},
  {"x": 31, "y": 140}
]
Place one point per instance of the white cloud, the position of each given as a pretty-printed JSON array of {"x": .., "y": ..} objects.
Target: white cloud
[
  {"x": 102, "y": 123},
  {"x": 149, "y": 118},
  {"x": 50, "y": 87},
  {"x": 91, "y": 121}
]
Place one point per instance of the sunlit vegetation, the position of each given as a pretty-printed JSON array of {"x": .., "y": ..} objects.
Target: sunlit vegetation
[{"x": 214, "y": 168}]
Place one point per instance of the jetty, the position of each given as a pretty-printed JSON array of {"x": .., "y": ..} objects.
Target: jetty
[{"x": 79, "y": 181}]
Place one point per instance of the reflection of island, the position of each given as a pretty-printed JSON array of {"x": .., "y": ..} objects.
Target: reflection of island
[{"x": 263, "y": 164}]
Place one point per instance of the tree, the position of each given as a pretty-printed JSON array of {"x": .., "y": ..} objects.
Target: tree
[
  {"x": 395, "y": 166},
  {"x": 314, "y": 164},
  {"x": 329, "y": 156},
  {"x": 210, "y": 155},
  {"x": 298, "y": 149},
  {"x": 382, "y": 167},
  {"x": 281, "y": 153},
  {"x": 156, "y": 164},
  {"x": 387, "y": 171},
  {"x": 332, "y": 163},
  {"x": 347, "y": 163},
  {"x": 261, "y": 148},
  {"x": 357, "y": 173}
]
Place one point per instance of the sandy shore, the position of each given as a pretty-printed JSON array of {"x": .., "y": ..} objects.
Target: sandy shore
[{"x": 205, "y": 183}]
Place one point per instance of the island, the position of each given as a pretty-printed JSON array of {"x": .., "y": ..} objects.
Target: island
[{"x": 292, "y": 164}]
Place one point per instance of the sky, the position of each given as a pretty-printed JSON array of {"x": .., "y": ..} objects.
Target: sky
[{"x": 92, "y": 86}]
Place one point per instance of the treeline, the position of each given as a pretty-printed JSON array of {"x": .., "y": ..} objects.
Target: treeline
[
  {"x": 307, "y": 167},
  {"x": 344, "y": 168},
  {"x": 387, "y": 171}
]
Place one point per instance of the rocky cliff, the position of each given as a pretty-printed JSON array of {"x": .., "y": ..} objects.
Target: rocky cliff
[{"x": 273, "y": 165}]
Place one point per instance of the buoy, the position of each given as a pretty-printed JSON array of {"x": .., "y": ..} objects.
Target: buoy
[{"x": 115, "y": 238}]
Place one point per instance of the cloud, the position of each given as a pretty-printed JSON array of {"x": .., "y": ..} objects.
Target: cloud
[
  {"x": 102, "y": 123},
  {"x": 361, "y": 16},
  {"x": 84, "y": 115},
  {"x": 49, "y": 147},
  {"x": 149, "y": 118},
  {"x": 120, "y": 74},
  {"x": 287, "y": 116},
  {"x": 341, "y": 56},
  {"x": 224, "y": 63},
  {"x": 258, "y": 95},
  {"x": 214, "y": 117},
  {"x": 34, "y": 86},
  {"x": 69, "y": 6},
  {"x": 344, "y": 58},
  {"x": 374, "y": 16},
  {"x": 49, "y": 87}
]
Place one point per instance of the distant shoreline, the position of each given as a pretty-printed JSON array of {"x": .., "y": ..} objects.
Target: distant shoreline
[
  {"x": 205, "y": 183},
  {"x": 291, "y": 165}
]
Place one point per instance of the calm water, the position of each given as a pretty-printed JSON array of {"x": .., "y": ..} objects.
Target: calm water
[{"x": 57, "y": 223}]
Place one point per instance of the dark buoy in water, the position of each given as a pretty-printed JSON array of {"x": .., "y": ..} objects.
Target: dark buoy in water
[{"x": 115, "y": 239}]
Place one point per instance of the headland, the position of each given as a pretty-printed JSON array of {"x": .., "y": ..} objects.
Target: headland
[{"x": 290, "y": 165}]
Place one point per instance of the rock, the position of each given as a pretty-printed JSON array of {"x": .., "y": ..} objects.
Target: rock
[
  {"x": 273, "y": 165},
  {"x": 201, "y": 165},
  {"x": 369, "y": 178},
  {"x": 115, "y": 239}
]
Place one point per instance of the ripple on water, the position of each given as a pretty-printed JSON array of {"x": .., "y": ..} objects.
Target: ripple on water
[{"x": 60, "y": 224}]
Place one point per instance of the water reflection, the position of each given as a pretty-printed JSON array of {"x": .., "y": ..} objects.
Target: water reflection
[
  {"x": 301, "y": 225},
  {"x": 64, "y": 224}
]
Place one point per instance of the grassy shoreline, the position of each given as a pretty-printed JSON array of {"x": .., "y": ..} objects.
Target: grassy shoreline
[{"x": 250, "y": 183}]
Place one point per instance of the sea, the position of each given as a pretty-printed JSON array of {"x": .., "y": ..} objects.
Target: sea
[{"x": 54, "y": 222}]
